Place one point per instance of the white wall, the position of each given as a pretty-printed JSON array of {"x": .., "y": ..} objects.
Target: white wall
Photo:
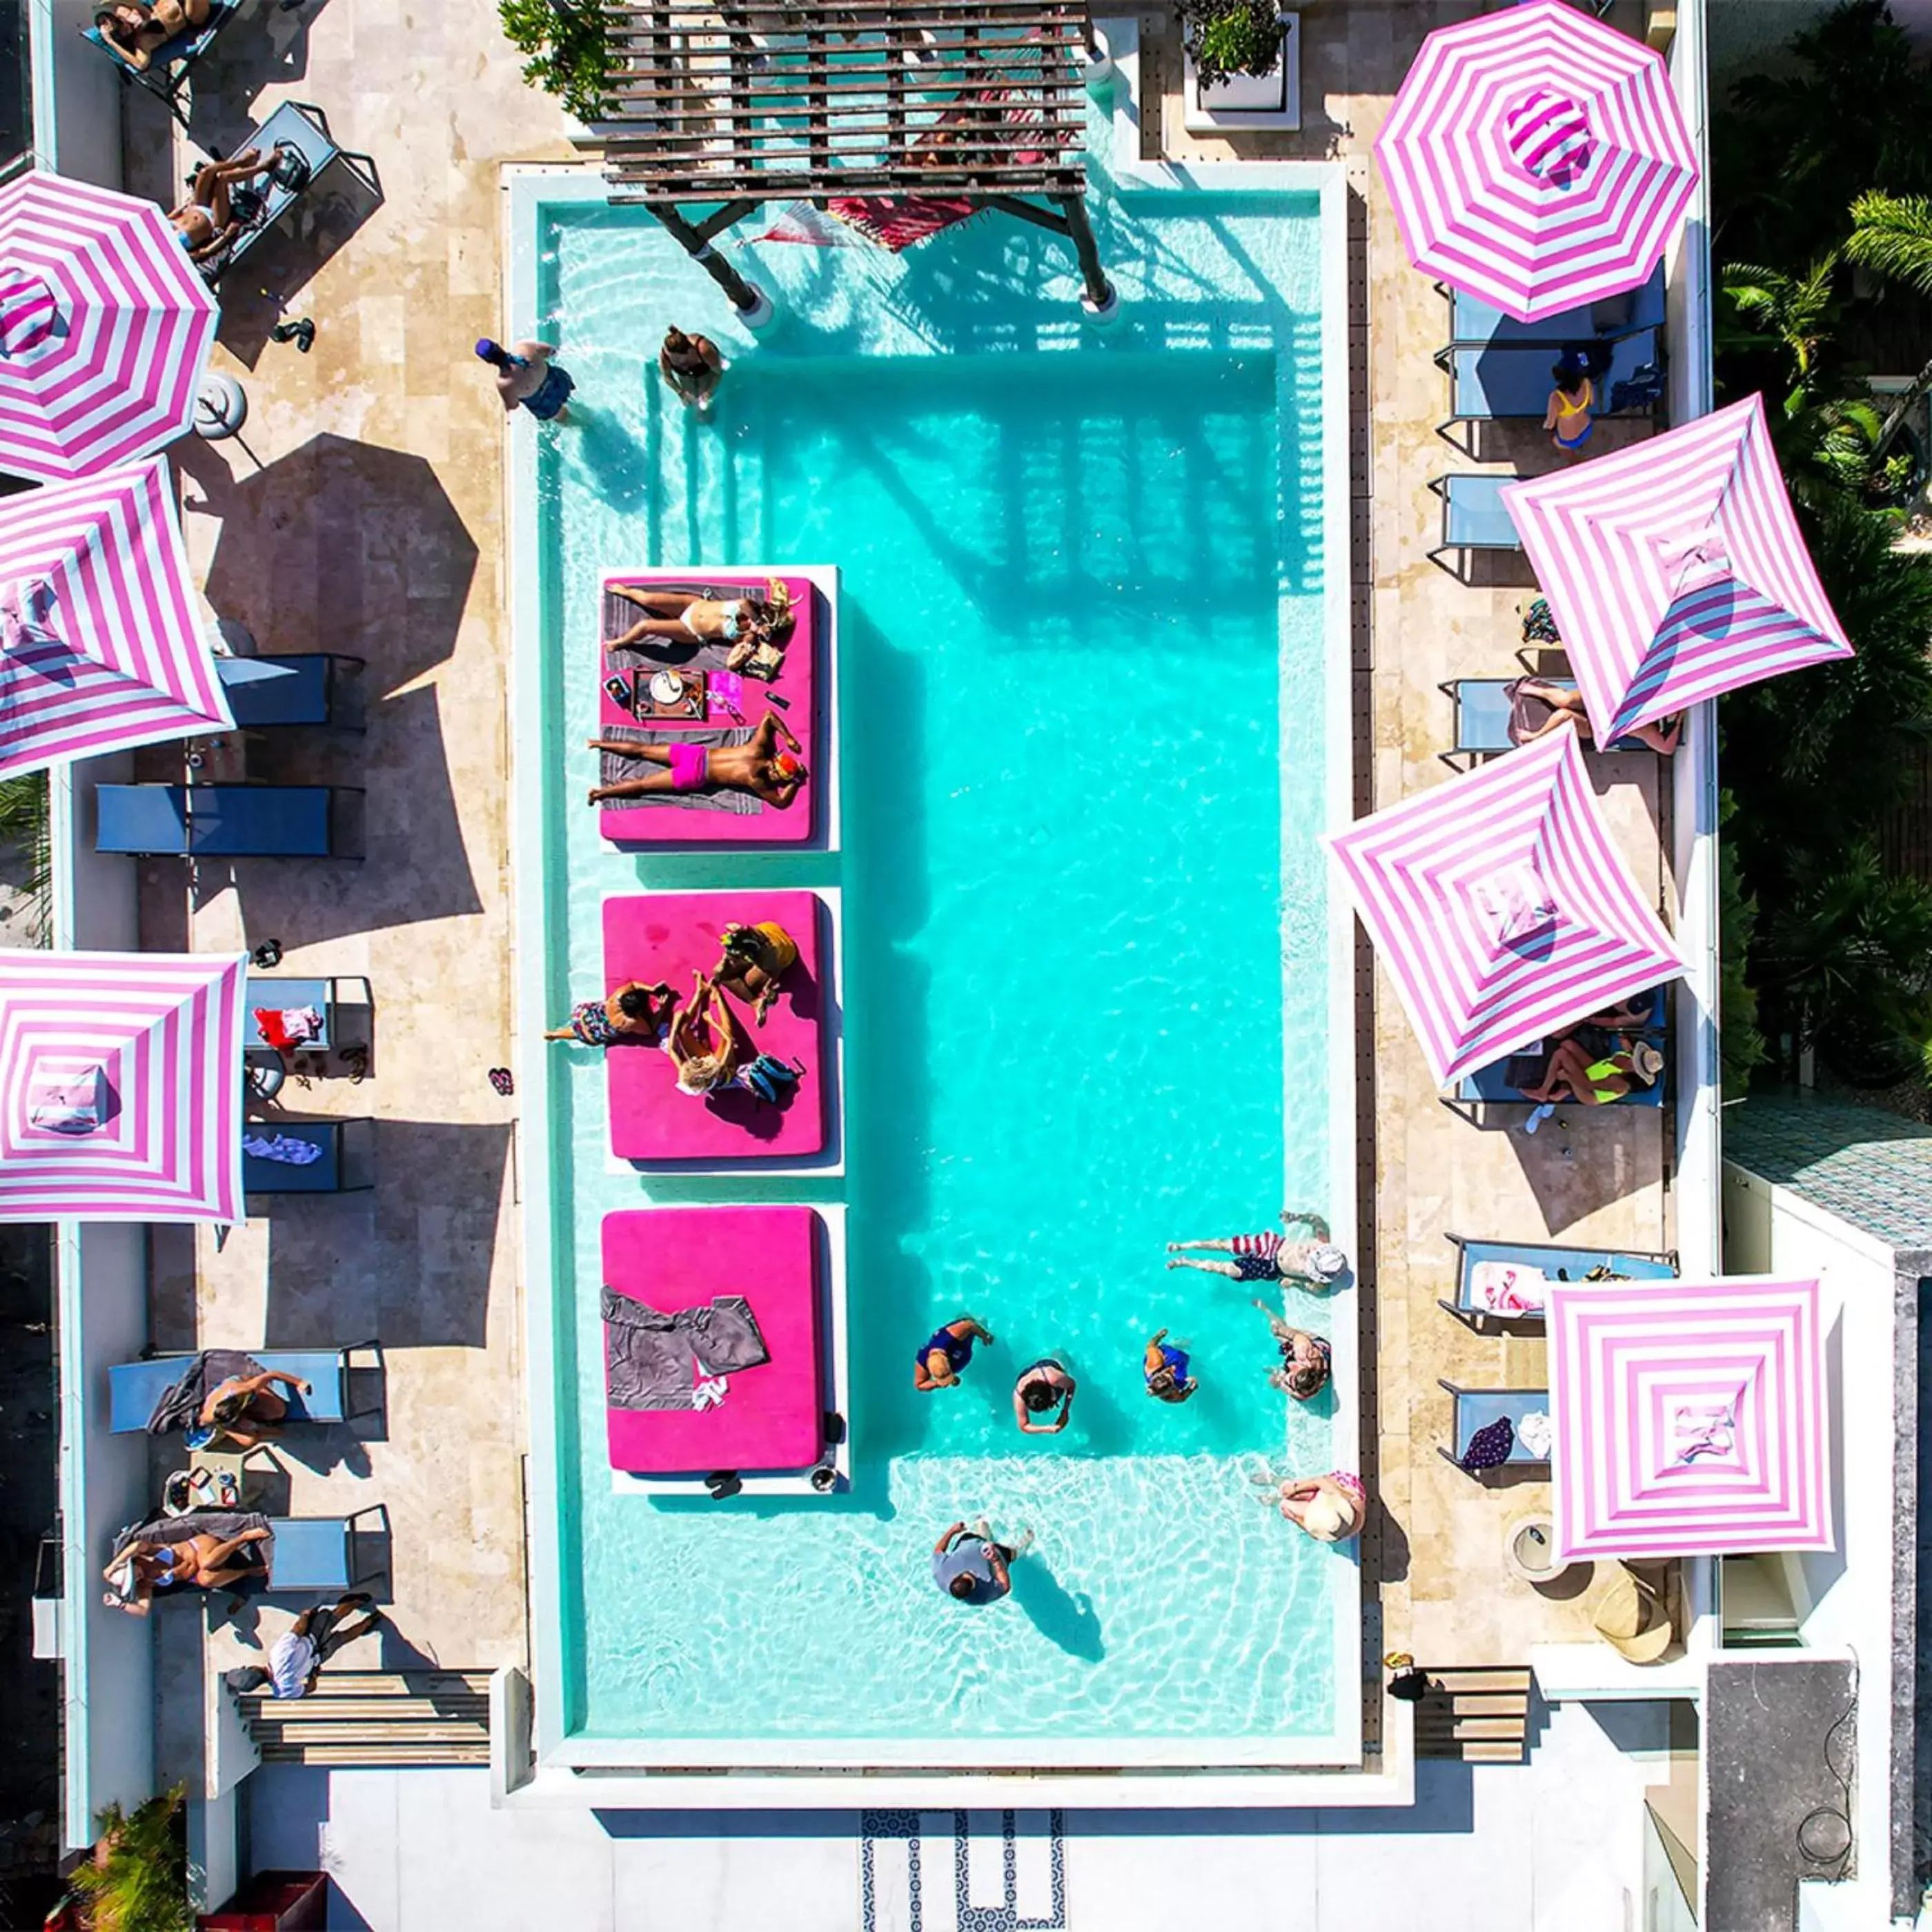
[{"x": 76, "y": 94}]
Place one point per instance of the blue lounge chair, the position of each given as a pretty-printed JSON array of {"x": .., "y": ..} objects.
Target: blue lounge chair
[
  {"x": 311, "y": 688},
  {"x": 230, "y": 821},
  {"x": 134, "y": 1387},
  {"x": 1477, "y": 1408},
  {"x": 1480, "y": 323},
  {"x": 1473, "y": 516},
  {"x": 1555, "y": 1262},
  {"x": 1500, "y": 382},
  {"x": 345, "y": 1164},
  {"x": 314, "y": 1554},
  {"x": 301, "y": 125},
  {"x": 1483, "y": 715},
  {"x": 345, "y": 1022},
  {"x": 166, "y": 75}
]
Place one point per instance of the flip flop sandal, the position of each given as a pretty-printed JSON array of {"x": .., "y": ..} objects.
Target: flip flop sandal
[{"x": 503, "y": 1081}]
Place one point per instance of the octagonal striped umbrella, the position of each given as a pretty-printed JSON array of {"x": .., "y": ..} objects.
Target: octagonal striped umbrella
[
  {"x": 121, "y": 1086},
  {"x": 102, "y": 646},
  {"x": 1675, "y": 569},
  {"x": 1691, "y": 1417},
  {"x": 1536, "y": 159},
  {"x": 105, "y": 327},
  {"x": 1501, "y": 908}
]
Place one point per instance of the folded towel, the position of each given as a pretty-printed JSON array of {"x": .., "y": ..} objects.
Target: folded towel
[
  {"x": 282, "y": 1147},
  {"x": 1508, "y": 1288}
]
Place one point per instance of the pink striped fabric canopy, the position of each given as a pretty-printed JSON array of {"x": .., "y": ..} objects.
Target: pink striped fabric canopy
[
  {"x": 105, "y": 327},
  {"x": 1691, "y": 1418},
  {"x": 121, "y": 1086},
  {"x": 1675, "y": 569},
  {"x": 1536, "y": 159},
  {"x": 101, "y": 642},
  {"x": 1501, "y": 908}
]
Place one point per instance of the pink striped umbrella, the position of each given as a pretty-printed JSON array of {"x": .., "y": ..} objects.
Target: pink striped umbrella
[
  {"x": 1675, "y": 569},
  {"x": 121, "y": 1086},
  {"x": 1501, "y": 908},
  {"x": 105, "y": 327},
  {"x": 1689, "y": 1417},
  {"x": 101, "y": 642},
  {"x": 1536, "y": 159}
]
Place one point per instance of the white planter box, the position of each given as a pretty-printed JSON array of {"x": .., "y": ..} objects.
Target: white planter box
[{"x": 1271, "y": 99}]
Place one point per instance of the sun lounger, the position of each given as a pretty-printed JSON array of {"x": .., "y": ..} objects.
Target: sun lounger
[
  {"x": 774, "y": 1419},
  {"x": 1501, "y": 1083},
  {"x": 312, "y": 688},
  {"x": 668, "y": 936},
  {"x": 1473, "y": 516},
  {"x": 1479, "y": 323},
  {"x": 303, "y": 126},
  {"x": 345, "y": 1021},
  {"x": 344, "y": 1161},
  {"x": 169, "y": 66},
  {"x": 1553, "y": 1262},
  {"x": 671, "y": 819},
  {"x": 1482, "y": 706},
  {"x": 1498, "y": 383},
  {"x": 1477, "y": 1408},
  {"x": 134, "y": 1387},
  {"x": 319, "y": 1553},
  {"x": 230, "y": 821}
]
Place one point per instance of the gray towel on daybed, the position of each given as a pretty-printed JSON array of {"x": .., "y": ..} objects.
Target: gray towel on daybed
[
  {"x": 180, "y": 1402},
  {"x": 651, "y": 1358},
  {"x": 614, "y": 768}
]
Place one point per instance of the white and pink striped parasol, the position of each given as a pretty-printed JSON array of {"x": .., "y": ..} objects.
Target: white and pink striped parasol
[
  {"x": 105, "y": 327},
  {"x": 121, "y": 1086},
  {"x": 1691, "y": 1418},
  {"x": 1536, "y": 159},
  {"x": 1501, "y": 908},
  {"x": 1675, "y": 569},
  {"x": 102, "y": 646}
]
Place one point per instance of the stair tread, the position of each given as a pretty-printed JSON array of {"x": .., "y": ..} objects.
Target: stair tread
[
  {"x": 1479, "y": 1704},
  {"x": 1475, "y": 1727},
  {"x": 1481, "y": 1677},
  {"x": 399, "y": 1683}
]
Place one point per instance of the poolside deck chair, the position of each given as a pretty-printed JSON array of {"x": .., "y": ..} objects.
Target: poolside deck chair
[
  {"x": 1477, "y": 1408},
  {"x": 346, "y": 1163},
  {"x": 313, "y": 688},
  {"x": 1497, "y": 1085},
  {"x": 1482, "y": 708},
  {"x": 1498, "y": 382},
  {"x": 1480, "y": 323},
  {"x": 1554, "y": 1262},
  {"x": 134, "y": 1387},
  {"x": 345, "y": 1021},
  {"x": 321, "y": 1553},
  {"x": 230, "y": 821},
  {"x": 1473, "y": 516},
  {"x": 302, "y": 125},
  {"x": 166, "y": 75}
]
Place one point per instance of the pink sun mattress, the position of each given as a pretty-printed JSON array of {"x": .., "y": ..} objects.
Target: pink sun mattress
[
  {"x": 772, "y": 1420},
  {"x": 798, "y": 683},
  {"x": 669, "y": 936}
]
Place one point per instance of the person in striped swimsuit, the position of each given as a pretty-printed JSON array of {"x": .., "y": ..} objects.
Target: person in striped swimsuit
[{"x": 1314, "y": 1261}]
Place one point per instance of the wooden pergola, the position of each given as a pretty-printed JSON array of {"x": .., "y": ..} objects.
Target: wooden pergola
[{"x": 718, "y": 108}]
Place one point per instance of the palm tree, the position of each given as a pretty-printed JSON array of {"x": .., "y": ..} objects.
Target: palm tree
[
  {"x": 1769, "y": 310},
  {"x": 137, "y": 1879},
  {"x": 1892, "y": 236}
]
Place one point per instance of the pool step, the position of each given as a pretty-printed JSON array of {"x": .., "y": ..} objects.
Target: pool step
[
  {"x": 373, "y": 1717},
  {"x": 1478, "y": 1716}
]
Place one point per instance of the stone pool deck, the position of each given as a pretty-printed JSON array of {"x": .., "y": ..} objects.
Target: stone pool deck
[{"x": 361, "y": 511}]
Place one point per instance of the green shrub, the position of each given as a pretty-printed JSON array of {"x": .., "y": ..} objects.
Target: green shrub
[
  {"x": 1226, "y": 37},
  {"x": 1740, "y": 1043},
  {"x": 137, "y": 1879},
  {"x": 568, "y": 56}
]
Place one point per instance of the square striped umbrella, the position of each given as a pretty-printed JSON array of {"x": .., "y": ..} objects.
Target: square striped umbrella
[
  {"x": 120, "y": 1088},
  {"x": 105, "y": 329},
  {"x": 1691, "y": 1418},
  {"x": 1675, "y": 569},
  {"x": 102, "y": 646},
  {"x": 1536, "y": 159},
  {"x": 1501, "y": 907}
]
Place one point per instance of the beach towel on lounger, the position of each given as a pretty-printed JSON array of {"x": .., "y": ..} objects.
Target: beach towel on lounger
[
  {"x": 653, "y": 1360},
  {"x": 179, "y": 1406},
  {"x": 223, "y": 1525},
  {"x": 615, "y": 769}
]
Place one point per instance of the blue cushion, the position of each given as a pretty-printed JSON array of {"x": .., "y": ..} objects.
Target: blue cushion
[
  {"x": 310, "y": 1553},
  {"x": 134, "y": 1387}
]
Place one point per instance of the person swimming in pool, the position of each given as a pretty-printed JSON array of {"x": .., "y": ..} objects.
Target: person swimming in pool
[
  {"x": 1306, "y": 1359},
  {"x": 1315, "y": 1261},
  {"x": 633, "y": 1011},
  {"x": 1045, "y": 1390},
  {"x": 1165, "y": 1368},
  {"x": 1331, "y": 1508},
  {"x": 679, "y": 617},
  {"x": 946, "y": 1352},
  {"x": 758, "y": 767},
  {"x": 972, "y": 1566}
]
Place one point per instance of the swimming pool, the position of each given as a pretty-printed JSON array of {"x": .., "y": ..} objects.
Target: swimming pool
[{"x": 1085, "y": 618}]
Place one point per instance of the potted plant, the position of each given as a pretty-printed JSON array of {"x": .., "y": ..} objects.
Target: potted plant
[
  {"x": 1241, "y": 71},
  {"x": 566, "y": 50}
]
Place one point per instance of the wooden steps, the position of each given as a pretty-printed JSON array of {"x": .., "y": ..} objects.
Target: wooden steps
[
  {"x": 378, "y": 1717},
  {"x": 1477, "y": 1716}
]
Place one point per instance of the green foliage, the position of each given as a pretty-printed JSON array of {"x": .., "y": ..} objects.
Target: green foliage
[
  {"x": 1740, "y": 1043},
  {"x": 566, "y": 50},
  {"x": 24, "y": 832},
  {"x": 1892, "y": 234},
  {"x": 1227, "y": 37},
  {"x": 137, "y": 1881}
]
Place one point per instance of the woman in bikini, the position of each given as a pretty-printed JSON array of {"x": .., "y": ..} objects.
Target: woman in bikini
[
  {"x": 1045, "y": 1390},
  {"x": 758, "y": 767},
  {"x": 754, "y": 960},
  {"x": 134, "y": 32},
  {"x": 1568, "y": 419},
  {"x": 1575, "y": 1072},
  {"x": 206, "y": 222},
  {"x": 679, "y": 617},
  {"x": 140, "y": 1569},
  {"x": 1567, "y": 713},
  {"x": 242, "y": 1399},
  {"x": 634, "y": 1010},
  {"x": 706, "y": 1043}
]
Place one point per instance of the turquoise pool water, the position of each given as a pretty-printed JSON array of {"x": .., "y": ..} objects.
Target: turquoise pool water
[{"x": 1080, "y": 689}]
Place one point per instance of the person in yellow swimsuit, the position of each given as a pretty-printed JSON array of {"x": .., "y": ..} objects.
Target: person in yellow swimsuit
[{"x": 1568, "y": 419}]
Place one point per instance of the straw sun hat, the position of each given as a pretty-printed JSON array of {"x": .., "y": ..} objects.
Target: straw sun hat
[{"x": 1633, "y": 1618}]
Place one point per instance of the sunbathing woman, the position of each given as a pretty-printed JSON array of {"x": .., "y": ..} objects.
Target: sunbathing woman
[
  {"x": 1567, "y": 713},
  {"x": 140, "y": 1569},
  {"x": 243, "y": 1398},
  {"x": 758, "y": 767},
  {"x": 682, "y": 618},
  {"x": 134, "y": 32},
  {"x": 706, "y": 1043},
  {"x": 206, "y": 222},
  {"x": 1574, "y": 1073},
  {"x": 634, "y": 1010},
  {"x": 754, "y": 960}
]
